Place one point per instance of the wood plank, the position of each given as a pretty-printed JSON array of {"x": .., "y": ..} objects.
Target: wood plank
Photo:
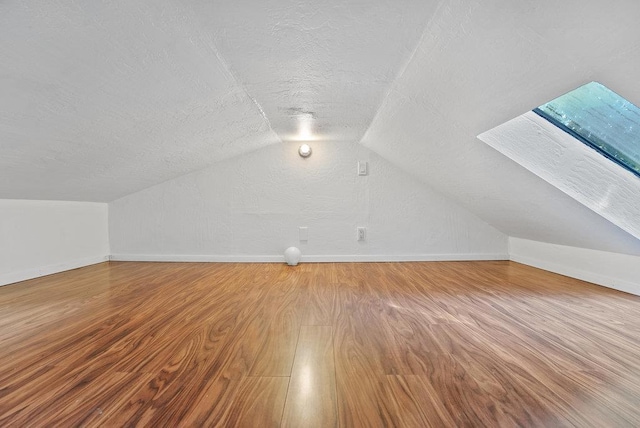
[
  {"x": 412, "y": 344},
  {"x": 364, "y": 395},
  {"x": 319, "y": 301},
  {"x": 419, "y": 403},
  {"x": 275, "y": 356},
  {"x": 259, "y": 402},
  {"x": 70, "y": 399},
  {"x": 311, "y": 399}
]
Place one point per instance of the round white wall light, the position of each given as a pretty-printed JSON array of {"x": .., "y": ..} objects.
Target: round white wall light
[{"x": 304, "y": 151}]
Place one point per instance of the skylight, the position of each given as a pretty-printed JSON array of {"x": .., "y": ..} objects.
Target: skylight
[{"x": 601, "y": 119}]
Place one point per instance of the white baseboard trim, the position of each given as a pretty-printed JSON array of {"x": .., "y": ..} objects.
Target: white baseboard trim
[
  {"x": 13, "y": 277},
  {"x": 194, "y": 258},
  {"x": 583, "y": 275},
  {"x": 310, "y": 259},
  {"x": 611, "y": 270},
  {"x": 403, "y": 258}
]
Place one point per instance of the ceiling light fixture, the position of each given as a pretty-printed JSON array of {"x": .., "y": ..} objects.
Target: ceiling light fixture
[{"x": 304, "y": 151}]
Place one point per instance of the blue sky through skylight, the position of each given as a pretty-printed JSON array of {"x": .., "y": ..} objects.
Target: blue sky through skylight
[{"x": 600, "y": 118}]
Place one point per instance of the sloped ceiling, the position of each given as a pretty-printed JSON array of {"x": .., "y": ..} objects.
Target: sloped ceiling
[
  {"x": 322, "y": 65},
  {"x": 481, "y": 63},
  {"x": 570, "y": 166},
  {"x": 102, "y": 99}
]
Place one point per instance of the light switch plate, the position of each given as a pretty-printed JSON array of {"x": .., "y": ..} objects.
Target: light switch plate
[{"x": 363, "y": 168}]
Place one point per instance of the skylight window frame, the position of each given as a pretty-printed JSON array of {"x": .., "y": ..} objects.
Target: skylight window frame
[{"x": 612, "y": 153}]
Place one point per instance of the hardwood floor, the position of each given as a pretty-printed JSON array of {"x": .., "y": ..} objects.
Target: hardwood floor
[{"x": 356, "y": 345}]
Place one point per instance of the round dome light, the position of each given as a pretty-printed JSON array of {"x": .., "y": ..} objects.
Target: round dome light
[{"x": 304, "y": 151}]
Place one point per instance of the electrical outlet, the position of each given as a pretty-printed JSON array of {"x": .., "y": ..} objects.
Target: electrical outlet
[
  {"x": 303, "y": 233},
  {"x": 362, "y": 233}
]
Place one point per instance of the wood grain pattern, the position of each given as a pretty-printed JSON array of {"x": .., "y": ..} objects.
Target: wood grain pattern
[
  {"x": 259, "y": 402},
  {"x": 378, "y": 344},
  {"x": 311, "y": 399}
]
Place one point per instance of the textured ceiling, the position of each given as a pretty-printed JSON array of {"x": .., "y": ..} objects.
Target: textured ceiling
[
  {"x": 102, "y": 99},
  {"x": 321, "y": 65},
  {"x": 481, "y": 63},
  {"x": 570, "y": 166}
]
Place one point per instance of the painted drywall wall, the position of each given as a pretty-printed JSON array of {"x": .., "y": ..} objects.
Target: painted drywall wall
[
  {"x": 43, "y": 237},
  {"x": 617, "y": 271},
  {"x": 249, "y": 209}
]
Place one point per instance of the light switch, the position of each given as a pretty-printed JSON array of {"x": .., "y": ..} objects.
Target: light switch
[{"x": 363, "y": 168}]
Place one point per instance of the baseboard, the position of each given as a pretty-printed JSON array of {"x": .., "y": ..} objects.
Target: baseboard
[
  {"x": 195, "y": 258},
  {"x": 403, "y": 258},
  {"x": 580, "y": 263},
  {"x": 310, "y": 259},
  {"x": 24, "y": 275},
  {"x": 574, "y": 272}
]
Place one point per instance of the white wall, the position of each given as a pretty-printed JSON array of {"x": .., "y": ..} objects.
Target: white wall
[
  {"x": 618, "y": 271},
  {"x": 43, "y": 237},
  {"x": 249, "y": 208}
]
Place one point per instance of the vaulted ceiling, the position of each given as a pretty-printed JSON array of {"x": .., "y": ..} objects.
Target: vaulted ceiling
[
  {"x": 102, "y": 99},
  {"x": 482, "y": 63}
]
